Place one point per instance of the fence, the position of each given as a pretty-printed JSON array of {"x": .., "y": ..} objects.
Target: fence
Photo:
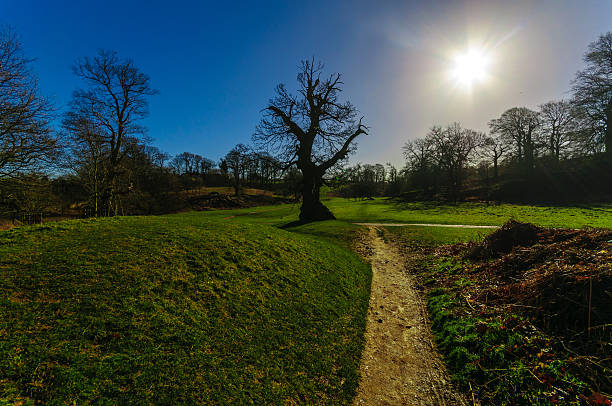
[{"x": 27, "y": 218}]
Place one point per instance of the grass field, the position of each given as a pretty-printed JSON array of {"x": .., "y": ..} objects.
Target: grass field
[
  {"x": 208, "y": 307},
  {"x": 179, "y": 309},
  {"x": 389, "y": 211}
]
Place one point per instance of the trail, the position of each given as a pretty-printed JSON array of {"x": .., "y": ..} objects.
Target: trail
[
  {"x": 423, "y": 225},
  {"x": 400, "y": 364}
]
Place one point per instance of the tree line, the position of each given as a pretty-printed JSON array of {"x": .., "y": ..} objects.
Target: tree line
[
  {"x": 96, "y": 156},
  {"x": 98, "y": 159},
  {"x": 560, "y": 151}
]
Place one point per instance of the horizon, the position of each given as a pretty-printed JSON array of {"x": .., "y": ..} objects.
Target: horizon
[{"x": 218, "y": 67}]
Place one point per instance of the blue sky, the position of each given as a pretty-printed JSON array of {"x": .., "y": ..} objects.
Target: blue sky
[{"x": 216, "y": 63}]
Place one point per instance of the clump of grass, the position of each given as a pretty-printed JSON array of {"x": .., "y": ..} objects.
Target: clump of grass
[
  {"x": 501, "y": 358},
  {"x": 182, "y": 309}
]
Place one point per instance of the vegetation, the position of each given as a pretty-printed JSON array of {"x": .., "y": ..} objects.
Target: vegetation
[
  {"x": 513, "y": 315},
  {"x": 312, "y": 130},
  {"x": 107, "y": 166},
  {"x": 178, "y": 309},
  {"x": 397, "y": 211}
]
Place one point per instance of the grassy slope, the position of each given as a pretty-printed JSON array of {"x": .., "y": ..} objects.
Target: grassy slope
[{"x": 178, "y": 309}]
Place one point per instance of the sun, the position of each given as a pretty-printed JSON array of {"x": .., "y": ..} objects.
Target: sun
[{"x": 470, "y": 67}]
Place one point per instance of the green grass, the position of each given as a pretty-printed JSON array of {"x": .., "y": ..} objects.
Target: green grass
[
  {"x": 385, "y": 210},
  {"x": 431, "y": 236},
  {"x": 493, "y": 353},
  {"x": 389, "y": 211},
  {"x": 211, "y": 307},
  {"x": 180, "y": 309}
]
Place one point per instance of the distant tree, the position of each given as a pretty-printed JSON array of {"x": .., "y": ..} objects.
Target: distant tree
[
  {"x": 88, "y": 155},
  {"x": 452, "y": 149},
  {"x": 223, "y": 167},
  {"x": 312, "y": 130},
  {"x": 206, "y": 165},
  {"x": 494, "y": 149},
  {"x": 237, "y": 160},
  {"x": 592, "y": 89},
  {"x": 26, "y": 139},
  {"x": 187, "y": 163},
  {"x": 419, "y": 164},
  {"x": 392, "y": 171},
  {"x": 115, "y": 99},
  {"x": 557, "y": 126},
  {"x": 156, "y": 156},
  {"x": 519, "y": 126}
]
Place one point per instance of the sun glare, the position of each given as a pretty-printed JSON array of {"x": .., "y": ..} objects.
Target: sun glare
[{"x": 470, "y": 67}]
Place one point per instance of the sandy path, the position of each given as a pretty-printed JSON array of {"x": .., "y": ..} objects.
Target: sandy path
[
  {"x": 400, "y": 365},
  {"x": 422, "y": 225}
]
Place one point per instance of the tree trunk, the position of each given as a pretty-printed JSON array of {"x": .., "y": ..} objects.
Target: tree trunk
[
  {"x": 312, "y": 209},
  {"x": 528, "y": 152},
  {"x": 608, "y": 135},
  {"x": 495, "y": 171}
]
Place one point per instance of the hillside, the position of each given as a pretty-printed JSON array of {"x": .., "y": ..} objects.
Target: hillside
[{"x": 178, "y": 309}]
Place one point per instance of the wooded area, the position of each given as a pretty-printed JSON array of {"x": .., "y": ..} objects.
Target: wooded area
[{"x": 95, "y": 159}]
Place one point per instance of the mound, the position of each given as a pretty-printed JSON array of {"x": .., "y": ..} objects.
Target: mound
[
  {"x": 510, "y": 235},
  {"x": 552, "y": 288},
  {"x": 177, "y": 309},
  {"x": 564, "y": 276}
]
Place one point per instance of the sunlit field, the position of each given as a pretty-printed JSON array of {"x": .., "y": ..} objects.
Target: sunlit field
[
  {"x": 180, "y": 309},
  {"x": 392, "y": 211}
]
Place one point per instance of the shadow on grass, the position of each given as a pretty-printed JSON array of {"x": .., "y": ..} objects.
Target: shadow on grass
[{"x": 294, "y": 224}]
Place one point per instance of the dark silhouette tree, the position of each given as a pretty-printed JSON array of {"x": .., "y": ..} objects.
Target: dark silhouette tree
[
  {"x": 494, "y": 149},
  {"x": 557, "y": 126},
  {"x": 592, "y": 89},
  {"x": 519, "y": 126},
  {"x": 312, "y": 129},
  {"x": 26, "y": 140},
  {"x": 419, "y": 164},
  {"x": 451, "y": 149},
  {"x": 237, "y": 160},
  {"x": 115, "y": 99}
]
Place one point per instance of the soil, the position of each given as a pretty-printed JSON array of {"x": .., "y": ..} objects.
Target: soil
[{"x": 400, "y": 364}]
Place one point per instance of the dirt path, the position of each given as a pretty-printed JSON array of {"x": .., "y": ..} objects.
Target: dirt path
[
  {"x": 400, "y": 365},
  {"x": 422, "y": 225}
]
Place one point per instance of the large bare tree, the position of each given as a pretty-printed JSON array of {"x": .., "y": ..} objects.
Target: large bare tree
[
  {"x": 592, "y": 89},
  {"x": 114, "y": 100},
  {"x": 26, "y": 139},
  {"x": 312, "y": 129}
]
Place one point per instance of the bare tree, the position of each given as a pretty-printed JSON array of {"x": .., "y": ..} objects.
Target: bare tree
[
  {"x": 236, "y": 161},
  {"x": 452, "y": 148},
  {"x": 494, "y": 148},
  {"x": 592, "y": 89},
  {"x": 88, "y": 155},
  {"x": 26, "y": 139},
  {"x": 156, "y": 156},
  {"x": 312, "y": 130},
  {"x": 557, "y": 125},
  {"x": 419, "y": 163},
  {"x": 115, "y": 98},
  {"x": 519, "y": 125}
]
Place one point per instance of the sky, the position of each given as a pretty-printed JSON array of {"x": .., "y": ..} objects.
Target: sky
[{"x": 216, "y": 64}]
